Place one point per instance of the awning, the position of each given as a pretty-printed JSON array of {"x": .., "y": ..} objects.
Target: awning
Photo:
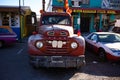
[
  {"x": 15, "y": 9},
  {"x": 9, "y": 9}
]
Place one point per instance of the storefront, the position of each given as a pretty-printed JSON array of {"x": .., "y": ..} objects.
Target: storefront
[
  {"x": 88, "y": 15},
  {"x": 91, "y": 19}
]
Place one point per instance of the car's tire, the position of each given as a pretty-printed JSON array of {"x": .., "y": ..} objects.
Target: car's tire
[
  {"x": 1, "y": 44},
  {"x": 35, "y": 66},
  {"x": 102, "y": 55}
]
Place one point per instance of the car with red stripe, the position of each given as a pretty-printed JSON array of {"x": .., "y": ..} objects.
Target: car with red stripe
[{"x": 105, "y": 44}]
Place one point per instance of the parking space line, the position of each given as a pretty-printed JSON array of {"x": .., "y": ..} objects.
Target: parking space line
[{"x": 19, "y": 52}]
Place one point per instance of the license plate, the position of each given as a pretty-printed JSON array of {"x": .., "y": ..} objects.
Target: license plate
[{"x": 56, "y": 59}]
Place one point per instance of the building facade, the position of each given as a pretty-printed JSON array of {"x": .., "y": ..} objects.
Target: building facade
[
  {"x": 88, "y": 15},
  {"x": 111, "y": 4},
  {"x": 18, "y": 18}
]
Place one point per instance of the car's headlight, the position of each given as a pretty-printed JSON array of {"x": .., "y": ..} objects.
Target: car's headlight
[
  {"x": 74, "y": 45},
  {"x": 115, "y": 51},
  {"x": 39, "y": 44}
]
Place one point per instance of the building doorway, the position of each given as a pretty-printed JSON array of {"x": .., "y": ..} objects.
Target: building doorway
[{"x": 85, "y": 24}]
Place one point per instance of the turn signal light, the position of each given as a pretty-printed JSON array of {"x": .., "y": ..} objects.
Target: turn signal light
[
  {"x": 34, "y": 33},
  {"x": 78, "y": 33}
]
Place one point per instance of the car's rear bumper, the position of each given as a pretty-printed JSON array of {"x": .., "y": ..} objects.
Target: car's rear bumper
[{"x": 57, "y": 61}]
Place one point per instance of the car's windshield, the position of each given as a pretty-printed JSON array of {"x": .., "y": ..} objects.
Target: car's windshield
[
  {"x": 109, "y": 38},
  {"x": 55, "y": 19}
]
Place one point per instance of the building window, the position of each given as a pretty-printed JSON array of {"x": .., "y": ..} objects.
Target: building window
[
  {"x": 5, "y": 19},
  {"x": 80, "y": 3},
  {"x": 85, "y": 1},
  {"x": 14, "y": 19},
  {"x": 115, "y": 4},
  {"x": 76, "y": 3},
  {"x": 72, "y": 2}
]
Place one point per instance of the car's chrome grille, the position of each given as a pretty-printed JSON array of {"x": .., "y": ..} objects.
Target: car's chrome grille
[
  {"x": 63, "y": 33},
  {"x": 56, "y": 46}
]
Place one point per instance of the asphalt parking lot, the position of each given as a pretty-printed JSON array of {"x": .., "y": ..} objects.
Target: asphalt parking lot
[{"x": 14, "y": 65}]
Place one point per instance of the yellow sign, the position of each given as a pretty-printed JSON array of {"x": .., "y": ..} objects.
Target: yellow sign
[
  {"x": 89, "y": 11},
  {"x": 95, "y": 11},
  {"x": 101, "y": 11},
  {"x": 77, "y": 10},
  {"x": 85, "y": 11},
  {"x": 111, "y": 12}
]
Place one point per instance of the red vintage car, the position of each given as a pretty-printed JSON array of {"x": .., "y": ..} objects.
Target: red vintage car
[
  {"x": 105, "y": 44},
  {"x": 55, "y": 44},
  {"x": 7, "y": 36}
]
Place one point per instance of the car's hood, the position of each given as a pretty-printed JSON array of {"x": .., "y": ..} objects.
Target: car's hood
[{"x": 115, "y": 45}]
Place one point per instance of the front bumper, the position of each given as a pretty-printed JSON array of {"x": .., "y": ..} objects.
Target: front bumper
[
  {"x": 113, "y": 58},
  {"x": 58, "y": 61}
]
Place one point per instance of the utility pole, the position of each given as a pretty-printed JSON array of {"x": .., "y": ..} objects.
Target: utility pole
[
  {"x": 20, "y": 17},
  {"x": 23, "y": 2},
  {"x": 19, "y": 7},
  {"x": 43, "y": 3}
]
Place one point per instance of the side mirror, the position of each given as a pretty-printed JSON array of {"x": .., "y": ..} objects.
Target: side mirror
[
  {"x": 34, "y": 32},
  {"x": 95, "y": 41}
]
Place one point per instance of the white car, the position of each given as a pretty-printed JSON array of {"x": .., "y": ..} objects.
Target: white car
[{"x": 105, "y": 44}]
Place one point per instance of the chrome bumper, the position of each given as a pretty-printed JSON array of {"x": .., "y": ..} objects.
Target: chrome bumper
[{"x": 57, "y": 61}]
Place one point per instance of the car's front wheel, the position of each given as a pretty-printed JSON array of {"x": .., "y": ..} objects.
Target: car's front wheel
[{"x": 102, "y": 55}]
